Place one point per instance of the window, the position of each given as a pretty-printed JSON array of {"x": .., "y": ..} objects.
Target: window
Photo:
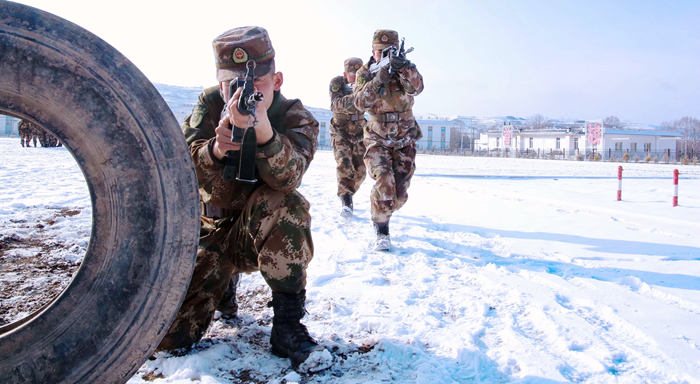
[
  {"x": 575, "y": 143},
  {"x": 323, "y": 124},
  {"x": 430, "y": 137},
  {"x": 498, "y": 142},
  {"x": 633, "y": 147},
  {"x": 8, "y": 125},
  {"x": 531, "y": 144},
  {"x": 558, "y": 143},
  {"x": 618, "y": 146},
  {"x": 647, "y": 147}
]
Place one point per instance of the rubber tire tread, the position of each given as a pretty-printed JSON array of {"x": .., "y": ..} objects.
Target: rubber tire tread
[{"x": 143, "y": 190}]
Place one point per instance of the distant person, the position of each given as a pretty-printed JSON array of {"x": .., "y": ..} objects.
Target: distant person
[
  {"x": 263, "y": 227},
  {"x": 347, "y": 130},
  {"x": 391, "y": 132},
  {"x": 26, "y": 133},
  {"x": 40, "y": 133}
]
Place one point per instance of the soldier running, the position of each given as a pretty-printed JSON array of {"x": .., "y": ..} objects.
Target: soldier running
[
  {"x": 265, "y": 227},
  {"x": 347, "y": 126},
  {"x": 26, "y": 133},
  {"x": 392, "y": 131}
]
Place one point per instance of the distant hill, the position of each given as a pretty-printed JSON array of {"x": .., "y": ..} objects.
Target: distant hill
[{"x": 182, "y": 99}]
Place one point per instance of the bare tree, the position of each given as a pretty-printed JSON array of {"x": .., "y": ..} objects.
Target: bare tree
[
  {"x": 538, "y": 121},
  {"x": 613, "y": 121},
  {"x": 689, "y": 127}
]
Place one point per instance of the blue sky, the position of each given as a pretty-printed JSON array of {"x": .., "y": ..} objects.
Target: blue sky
[{"x": 638, "y": 60}]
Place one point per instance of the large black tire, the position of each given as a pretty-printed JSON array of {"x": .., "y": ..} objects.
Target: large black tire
[{"x": 143, "y": 189}]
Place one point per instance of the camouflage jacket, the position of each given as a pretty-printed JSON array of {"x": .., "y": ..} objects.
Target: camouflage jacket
[
  {"x": 25, "y": 128},
  {"x": 280, "y": 163},
  {"x": 395, "y": 96},
  {"x": 343, "y": 103}
]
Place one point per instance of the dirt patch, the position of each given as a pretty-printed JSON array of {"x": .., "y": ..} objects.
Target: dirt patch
[{"x": 32, "y": 272}]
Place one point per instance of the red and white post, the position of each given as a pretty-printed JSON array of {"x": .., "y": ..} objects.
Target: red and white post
[
  {"x": 675, "y": 187},
  {"x": 619, "y": 183}
]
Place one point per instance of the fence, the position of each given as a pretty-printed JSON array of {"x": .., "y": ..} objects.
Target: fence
[{"x": 667, "y": 156}]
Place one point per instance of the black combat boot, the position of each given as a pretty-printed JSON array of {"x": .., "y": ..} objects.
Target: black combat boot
[
  {"x": 290, "y": 338},
  {"x": 228, "y": 306},
  {"x": 383, "y": 242},
  {"x": 346, "y": 200}
]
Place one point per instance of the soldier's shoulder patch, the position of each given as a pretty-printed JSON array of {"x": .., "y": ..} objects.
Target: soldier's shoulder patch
[
  {"x": 198, "y": 115},
  {"x": 335, "y": 87},
  {"x": 361, "y": 80}
]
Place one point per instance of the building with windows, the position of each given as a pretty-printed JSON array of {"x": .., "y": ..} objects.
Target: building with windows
[
  {"x": 436, "y": 131},
  {"x": 8, "y": 126},
  {"x": 324, "y": 123},
  {"x": 587, "y": 138}
]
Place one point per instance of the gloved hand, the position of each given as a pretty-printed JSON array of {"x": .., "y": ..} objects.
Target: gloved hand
[
  {"x": 383, "y": 76},
  {"x": 398, "y": 63}
]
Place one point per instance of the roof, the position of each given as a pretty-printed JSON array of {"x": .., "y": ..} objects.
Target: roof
[{"x": 641, "y": 133}]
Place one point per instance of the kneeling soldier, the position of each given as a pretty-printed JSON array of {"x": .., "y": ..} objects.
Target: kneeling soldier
[{"x": 265, "y": 226}]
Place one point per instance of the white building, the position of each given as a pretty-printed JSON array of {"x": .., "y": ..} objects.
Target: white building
[
  {"x": 8, "y": 126},
  {"x": 436, "y": 131},
  {"x": 571, "y": 141},
  {"x": 324, "y": 124}
]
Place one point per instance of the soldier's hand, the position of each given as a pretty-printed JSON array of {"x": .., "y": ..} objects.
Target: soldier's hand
[
  {"x": 222, "y": 142},
  {"x": 398, "y": 63},
  {"x": 263, "y": 129},
  {"x": 383, "y": 76}
]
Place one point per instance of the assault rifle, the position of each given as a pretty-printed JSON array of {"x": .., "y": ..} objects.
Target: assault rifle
[
  {"x": 240, "y": 165},
  {"x": 387, "y": 54}
]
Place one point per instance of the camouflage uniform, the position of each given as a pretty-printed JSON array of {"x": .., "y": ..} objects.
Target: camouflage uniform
[
  {"x": 347, "y": 126},
  {"x": 26, "y": 133},
  {"x": 40, "y": 133},
  {"x": 266, "y": 227},
  {"x": 391, "y": 132}
]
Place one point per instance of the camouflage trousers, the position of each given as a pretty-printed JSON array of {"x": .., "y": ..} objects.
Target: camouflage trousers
[
  {"x": 349, "y": 151},
  {"x": 26, "y": 133},
  {"x": 26, "y": 139},
  {"x": 272, "y": 235},
  {"x": 392, "y": 170}
]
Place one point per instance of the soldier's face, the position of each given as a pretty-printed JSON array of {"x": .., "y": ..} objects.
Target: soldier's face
[
  {"x": 377, "y": 54},
  {"x": 267, "y": 84},
  {"x": 350, "y": 77}
]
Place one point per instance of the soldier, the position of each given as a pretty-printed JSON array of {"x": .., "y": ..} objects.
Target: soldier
[
  {"x": 347, "y": 126},
  {"x": 265, "y": 227},
  {"x": 26, "y": 133},
  {"x": 392, "y": 131},
  {"x": 39, "y": 133}
]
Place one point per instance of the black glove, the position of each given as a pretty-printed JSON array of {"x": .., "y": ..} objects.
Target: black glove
[
  {"x": 383, "y": 76},
  {"x": 398, "y": 63}
]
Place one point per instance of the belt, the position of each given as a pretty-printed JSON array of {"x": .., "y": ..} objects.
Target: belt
[
  {"x": 391, "y": 116},
  {"x": 215, "y": 212},
  {"x": 345, "y": 116}
]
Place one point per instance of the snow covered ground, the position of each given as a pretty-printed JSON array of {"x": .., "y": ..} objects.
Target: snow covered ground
[{"x": 501, "y": 271}]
